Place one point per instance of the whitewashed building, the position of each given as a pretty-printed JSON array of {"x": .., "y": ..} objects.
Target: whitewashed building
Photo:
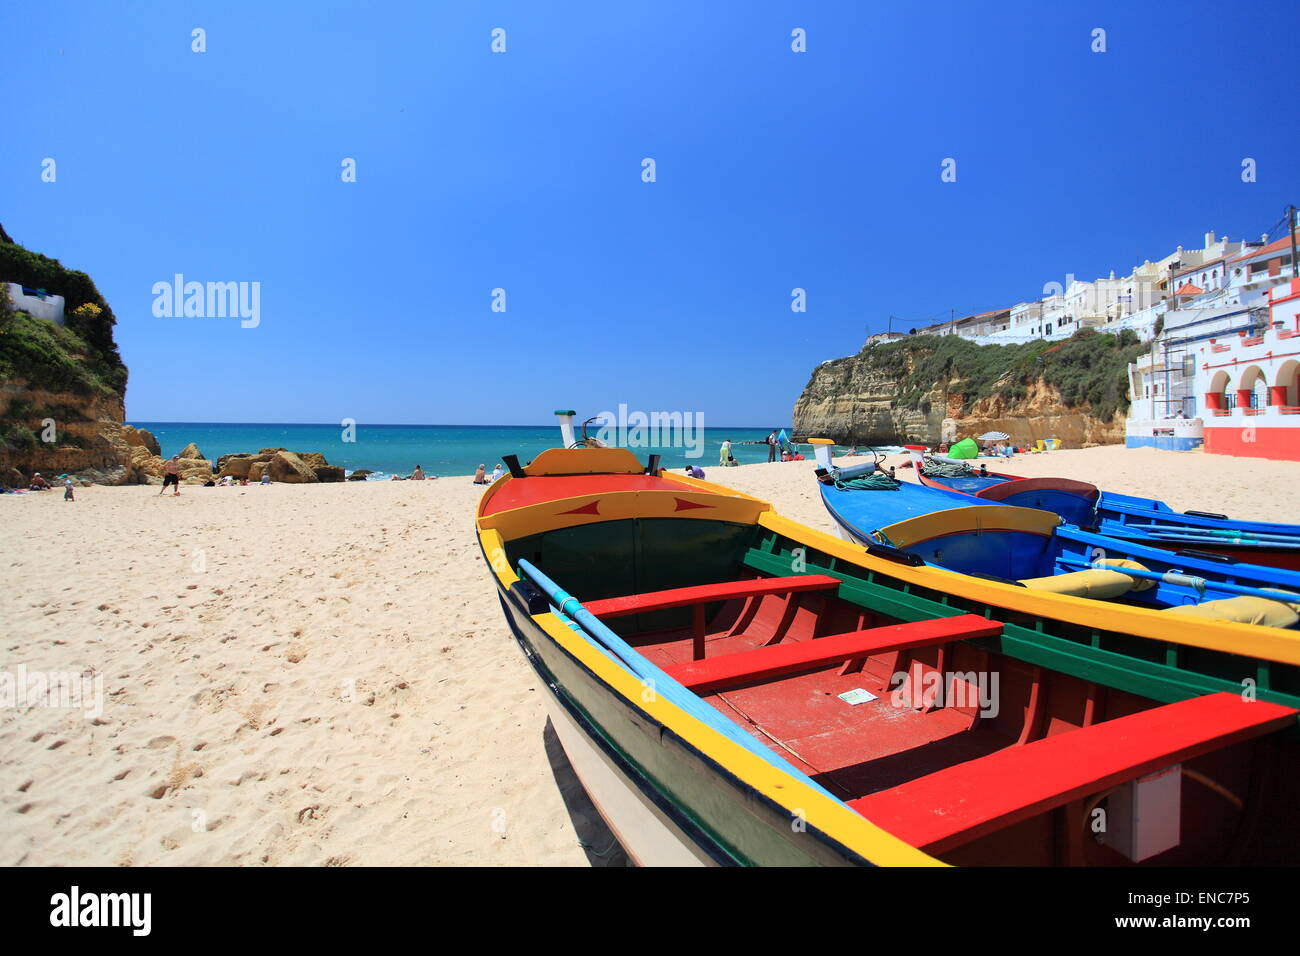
[{"x": 36, "y": 302}]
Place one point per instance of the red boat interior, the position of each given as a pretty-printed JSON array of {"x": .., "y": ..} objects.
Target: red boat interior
[{"x": 971, "y": 755}]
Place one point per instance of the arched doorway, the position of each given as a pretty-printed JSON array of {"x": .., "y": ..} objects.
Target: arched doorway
[
  {"x": 1252, "y": 389},
  {"x": 1216, "y": 398},
  {"x": 1286, "y": 387}
]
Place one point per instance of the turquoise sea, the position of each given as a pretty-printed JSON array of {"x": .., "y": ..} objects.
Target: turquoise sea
[{"x": 439, "y": 449}]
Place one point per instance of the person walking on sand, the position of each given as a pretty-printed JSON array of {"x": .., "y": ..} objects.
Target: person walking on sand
[
  {"x": 67, "y": 489},
  {"x": 480, "y": 475},
  {"x": 172, "y": 475},
  {"x": 725, "y": 454},
  {"x": 771, "y": 447}
]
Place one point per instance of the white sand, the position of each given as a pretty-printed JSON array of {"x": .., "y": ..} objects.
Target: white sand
[{"x": 322, "y": 674}]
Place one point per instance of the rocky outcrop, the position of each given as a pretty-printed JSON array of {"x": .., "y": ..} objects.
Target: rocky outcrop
[
  {"x": 287, "y": 467},
  {"x": 856, "y": 401},
  {"x": 852, "y": 402},
  {"x": 302, "y": 467}
]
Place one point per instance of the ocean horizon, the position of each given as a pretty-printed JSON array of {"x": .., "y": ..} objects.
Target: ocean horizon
[{"x": 438, "y": 449}]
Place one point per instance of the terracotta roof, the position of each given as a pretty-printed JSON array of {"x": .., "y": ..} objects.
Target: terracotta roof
[
  {"x": 1188, "y": 289},
  {"x": 1276, "y": 246}
]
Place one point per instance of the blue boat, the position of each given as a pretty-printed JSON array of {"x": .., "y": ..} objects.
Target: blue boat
[
  {"x": 1034, "y": 548},
  {"x": 1140, "y": 520}
]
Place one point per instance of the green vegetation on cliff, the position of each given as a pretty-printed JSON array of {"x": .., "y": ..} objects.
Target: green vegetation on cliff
[
  {"x": 1090, "y": 368},
  {"x": 81, "y": 356},
  {"x": 78, "y": 358}
]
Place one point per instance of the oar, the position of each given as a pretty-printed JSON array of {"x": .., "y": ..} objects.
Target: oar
[
  {"x": 1195, "y": 582},
  {"x": 1237, "y": 536},
  {"x": 655, "y": 680}
]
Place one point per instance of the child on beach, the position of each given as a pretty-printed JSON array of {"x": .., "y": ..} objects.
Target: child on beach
[{"x": 67, "y": 489}]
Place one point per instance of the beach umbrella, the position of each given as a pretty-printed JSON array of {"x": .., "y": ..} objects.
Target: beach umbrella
[
  {"x": 993, "y": 436},
  {"x": 965, "y": 448}
]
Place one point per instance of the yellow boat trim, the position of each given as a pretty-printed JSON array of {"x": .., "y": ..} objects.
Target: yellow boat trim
[
  {"x": 975, "y": 518},
  {"x": 828, "y": 815},
  {"x": 585, "y": 461},
  {"x": 621, "y": 505},
  {"x": 1246, "y": 640}
]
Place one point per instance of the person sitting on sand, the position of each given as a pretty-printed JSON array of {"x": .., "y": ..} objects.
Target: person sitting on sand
[
  {"x": 480, "y": 475},
  {"x": 266, "y": 479},
  {"x": 418, "y": 474},
  {"x": 496, "y": 472},
  {"x": 732, "y": 463},
  {"x": 172, "y": 475},
  {"x": 695, "y": 471},
  {"x": 39, "y": 483}
]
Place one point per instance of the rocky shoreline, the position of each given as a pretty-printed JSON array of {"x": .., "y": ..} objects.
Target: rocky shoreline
[{"x": 140, "y": 462}]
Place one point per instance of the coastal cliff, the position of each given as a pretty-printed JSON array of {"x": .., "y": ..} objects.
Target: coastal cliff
[
  {"x": 62, "y": 385},
  {"x": 932, "y": 389}
]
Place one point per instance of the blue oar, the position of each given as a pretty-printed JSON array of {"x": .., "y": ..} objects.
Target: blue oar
[
  {"x": 1195, "y": 582},
  {"x": 568, "y": 606},
  {"x": 1236, "y": 536}
]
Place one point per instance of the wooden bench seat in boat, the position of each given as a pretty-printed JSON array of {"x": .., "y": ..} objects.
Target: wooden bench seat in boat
[
  {"x": 704, "y": 593},
  {"x": 778, "y": 660},
  {"x": 946, "y": 809},
  {"x": 701, "y": 594}
]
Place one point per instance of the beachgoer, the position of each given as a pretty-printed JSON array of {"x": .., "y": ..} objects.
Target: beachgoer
[
  {"x": 172, "y": 475},
  {"x": 418, "y": 474},
  {"x": 496, "y": 472},
  {"x": 695, "y": 471},
  {"x": 732, "y": 463},
  {"x": 67, "y": 489},
  {"x": 725, "y": 455},
  {"x": 39, "y": 483},
  {"x": 771, "y": 447},
  {"x": 480, "y": 475},
  {"x": 266, "y": 479}
]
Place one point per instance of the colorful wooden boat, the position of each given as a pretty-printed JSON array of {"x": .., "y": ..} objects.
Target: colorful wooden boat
[
  {"x": 735, "y": 688},
  {"x": 1035, "y": 549},
  {"x": 1130, "y": 518}
]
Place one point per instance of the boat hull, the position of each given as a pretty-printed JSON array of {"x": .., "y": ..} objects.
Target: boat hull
[{"x": 668, "y": 803}]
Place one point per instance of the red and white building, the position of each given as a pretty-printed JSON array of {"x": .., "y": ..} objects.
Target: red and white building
[{"x": 1250, "y": 384}]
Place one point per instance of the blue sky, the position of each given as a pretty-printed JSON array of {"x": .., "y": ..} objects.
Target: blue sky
[{"x": 522, "y": 171}]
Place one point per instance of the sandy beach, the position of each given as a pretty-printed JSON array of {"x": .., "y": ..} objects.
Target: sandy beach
[{"x": 321, "y": 675}]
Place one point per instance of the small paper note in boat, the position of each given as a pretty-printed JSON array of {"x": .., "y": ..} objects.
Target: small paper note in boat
[{"x": 857, "y": 696}]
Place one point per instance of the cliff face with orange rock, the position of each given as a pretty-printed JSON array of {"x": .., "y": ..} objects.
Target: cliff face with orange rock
[
  {"x": 62, "y": 386},
  {"x": 932, "y": 390}
]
